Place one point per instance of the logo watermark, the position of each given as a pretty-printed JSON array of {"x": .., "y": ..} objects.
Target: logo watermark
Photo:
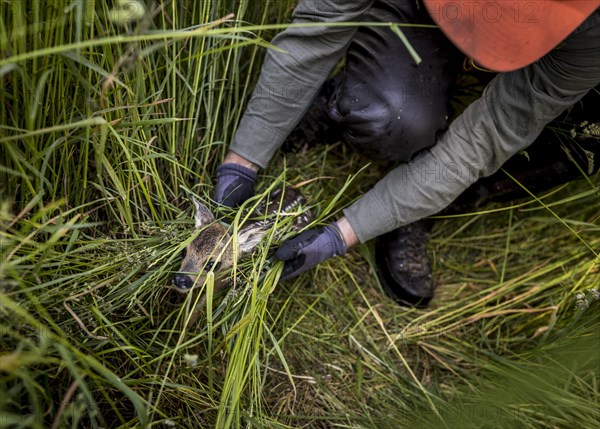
[{"x": 519, "y": 12}]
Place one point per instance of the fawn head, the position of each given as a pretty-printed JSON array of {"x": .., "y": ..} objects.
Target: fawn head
[{"x": 212, "y": 250}]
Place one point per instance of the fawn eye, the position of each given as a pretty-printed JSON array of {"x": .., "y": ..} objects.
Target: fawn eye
[
  {"x": 212, "y": 266},
  {"x": 183, "y": 252}
]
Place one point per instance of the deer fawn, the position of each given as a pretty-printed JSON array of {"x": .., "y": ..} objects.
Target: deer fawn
[{"x": 213, "y": 248}]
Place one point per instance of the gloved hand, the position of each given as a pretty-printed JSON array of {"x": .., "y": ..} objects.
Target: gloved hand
[
  {"x": 235, "y": 184},
  {"x": 310, "y": 248}
]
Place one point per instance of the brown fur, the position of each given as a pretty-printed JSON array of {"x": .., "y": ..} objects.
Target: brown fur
[
  {"x": 213, "y": 248},
  {"x": 213, "y": 244}
]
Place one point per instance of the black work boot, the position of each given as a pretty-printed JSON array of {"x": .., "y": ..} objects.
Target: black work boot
[{"x": 403, "y": 265}]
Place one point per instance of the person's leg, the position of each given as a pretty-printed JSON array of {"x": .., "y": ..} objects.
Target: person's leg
[
  {"x": 389, "y": 108},
  {"x": 385, "y": 105},
  {"x": 382, "y": 103}
]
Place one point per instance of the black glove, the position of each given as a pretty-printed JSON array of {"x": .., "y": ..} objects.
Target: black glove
[
  {"x": 310, "y": 248},
  {"x": 235, "y": 184}
]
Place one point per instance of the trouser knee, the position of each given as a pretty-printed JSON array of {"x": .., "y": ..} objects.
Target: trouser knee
[
  {"x": 385, "y": 105},
  {"x": 385, "y": 130}
]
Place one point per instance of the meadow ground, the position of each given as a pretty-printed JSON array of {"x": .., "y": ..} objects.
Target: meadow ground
[{"x": 112, "y": 116}]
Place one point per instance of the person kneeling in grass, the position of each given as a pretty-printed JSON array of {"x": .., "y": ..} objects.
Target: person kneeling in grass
[{"x": 546, "y": 53}]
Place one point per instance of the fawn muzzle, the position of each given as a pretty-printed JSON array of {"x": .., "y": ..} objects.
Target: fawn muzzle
[{"x": 182, "y": 282}]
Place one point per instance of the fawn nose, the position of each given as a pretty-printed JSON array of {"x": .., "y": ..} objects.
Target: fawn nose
[{"x": 182, "y": 282}]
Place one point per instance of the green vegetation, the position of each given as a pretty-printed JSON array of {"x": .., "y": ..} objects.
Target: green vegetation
[{"x": 111, "y": 116}]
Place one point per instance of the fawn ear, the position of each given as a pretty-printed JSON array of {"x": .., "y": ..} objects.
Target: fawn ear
[
  {"x": 249, "y": 238},
  {"x": 203, "y": 215}
]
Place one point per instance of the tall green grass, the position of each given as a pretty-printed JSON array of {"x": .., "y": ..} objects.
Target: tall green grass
[{"x": 110, "y": 117}]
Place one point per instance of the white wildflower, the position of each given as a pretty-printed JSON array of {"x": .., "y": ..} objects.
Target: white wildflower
[
  {"x": 127, "y": 11},
  {"x": 190, "y": 360}
]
